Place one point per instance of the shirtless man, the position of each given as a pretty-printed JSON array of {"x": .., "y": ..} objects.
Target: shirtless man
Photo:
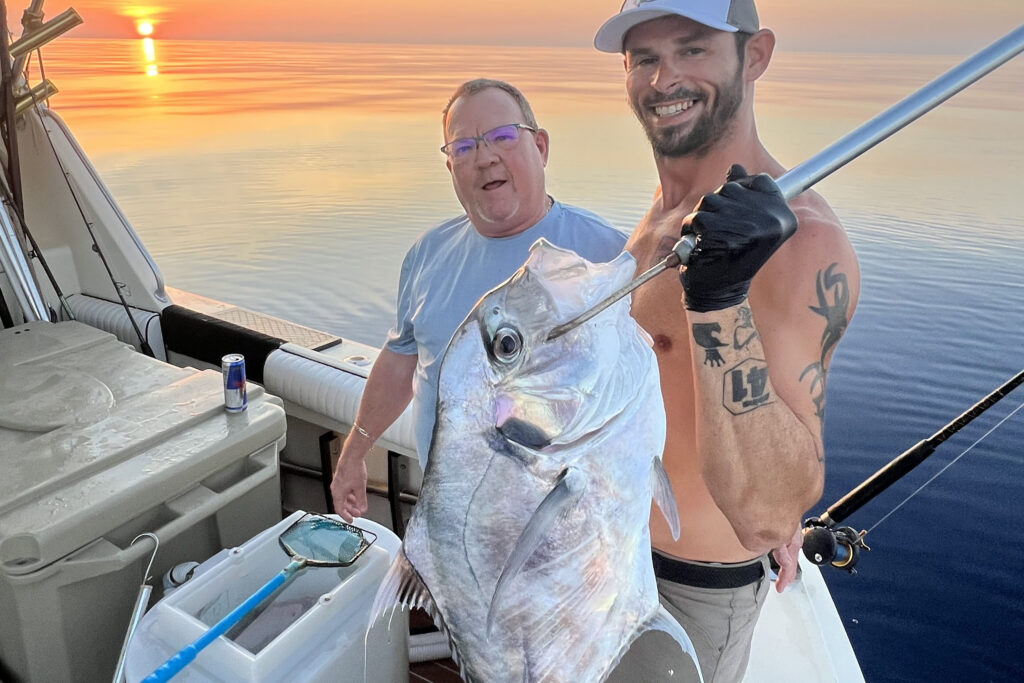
[{"x": 745, "y": 334}]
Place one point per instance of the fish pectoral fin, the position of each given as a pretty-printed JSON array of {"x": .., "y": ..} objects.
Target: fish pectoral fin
[
  {"x": 661, "y": 489},
  {"x": 563, "y": 497}
]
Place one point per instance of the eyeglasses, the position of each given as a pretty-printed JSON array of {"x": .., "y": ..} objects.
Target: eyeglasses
[{"x": 502, "y": 137}]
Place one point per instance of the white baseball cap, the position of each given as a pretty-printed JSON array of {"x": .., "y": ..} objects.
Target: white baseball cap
[{"x": 724, "y": 15}]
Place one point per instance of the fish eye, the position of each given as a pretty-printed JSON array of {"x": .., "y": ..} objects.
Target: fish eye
[{"x": 506, "y": 344}]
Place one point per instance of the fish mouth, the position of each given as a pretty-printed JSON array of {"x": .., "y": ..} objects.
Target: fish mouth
[{"x": 524, "y": 433}]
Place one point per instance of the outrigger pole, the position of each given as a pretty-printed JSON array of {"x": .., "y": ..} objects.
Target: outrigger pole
[
  {"x": 824, "y": 543},
  {"x": 841, "y": 152}
]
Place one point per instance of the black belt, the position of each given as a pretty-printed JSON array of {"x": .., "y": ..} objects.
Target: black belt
[{"x": 707, "y": 576}]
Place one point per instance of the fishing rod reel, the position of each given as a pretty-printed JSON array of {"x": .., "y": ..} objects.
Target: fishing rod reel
[{"x": 838, "y": 546}]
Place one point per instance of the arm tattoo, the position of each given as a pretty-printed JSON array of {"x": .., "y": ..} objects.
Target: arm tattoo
[
  {"x": 745, "y": 385},
  {"x": 833, "y": 302},
  {"x": 744, "y": 332},
  {"x": 704, "y": 335}
]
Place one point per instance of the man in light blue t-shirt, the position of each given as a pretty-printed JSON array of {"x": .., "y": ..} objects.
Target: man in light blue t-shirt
[{"x": 496, "y": 155}]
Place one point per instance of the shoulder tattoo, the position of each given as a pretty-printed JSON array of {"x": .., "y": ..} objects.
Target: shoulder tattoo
[{"x": 833, "y": 294}]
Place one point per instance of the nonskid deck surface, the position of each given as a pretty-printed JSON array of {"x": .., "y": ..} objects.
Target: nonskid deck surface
[
  {"x": 300, "y": 335},
  {"x": 437, "y": 671},
  {"x": 441, "y": 671}
]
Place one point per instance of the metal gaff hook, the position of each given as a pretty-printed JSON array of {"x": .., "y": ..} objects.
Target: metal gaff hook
[
  {"x": 156, "y": 546},
  {"x": 145, "y": 590}
]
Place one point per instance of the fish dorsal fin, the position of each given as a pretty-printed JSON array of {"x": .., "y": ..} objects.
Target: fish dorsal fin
[
  {"x": 661, "y": 490},
  {"x": 403, "y": 587},
  {"x": 661, "y": 620},
  {"x": 568, "y": 489}
]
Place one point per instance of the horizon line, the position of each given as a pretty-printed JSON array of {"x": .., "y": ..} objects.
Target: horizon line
[{"x": 571, "y": 46}]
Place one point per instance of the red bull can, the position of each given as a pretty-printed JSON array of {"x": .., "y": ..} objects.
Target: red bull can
[{"x": 233, "y": 367}]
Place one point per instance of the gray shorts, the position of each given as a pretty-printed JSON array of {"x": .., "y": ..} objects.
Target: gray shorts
[{"x": 719, "y": 621}]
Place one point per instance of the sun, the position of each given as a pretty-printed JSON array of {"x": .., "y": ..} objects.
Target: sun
[{"x": 145, "y": 28}]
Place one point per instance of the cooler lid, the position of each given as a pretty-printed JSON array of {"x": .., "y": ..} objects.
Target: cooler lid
[{"x": 95, "y": 434}]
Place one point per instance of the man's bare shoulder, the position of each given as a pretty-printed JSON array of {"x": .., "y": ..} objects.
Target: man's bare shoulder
[
  {"x": 818, "y": 253},
  {"x": 819, "y": 241},
  {"x": 815, "y": 214}
]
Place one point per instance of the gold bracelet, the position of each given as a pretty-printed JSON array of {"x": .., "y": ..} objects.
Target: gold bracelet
[{"x": 362, "y": 432}]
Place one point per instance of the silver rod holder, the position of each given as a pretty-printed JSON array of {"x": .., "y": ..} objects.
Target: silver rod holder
[
  {"x": 32, "y": 40},
  {"x": 40, "y": 92},
  {"x": 54, "y": 28}
]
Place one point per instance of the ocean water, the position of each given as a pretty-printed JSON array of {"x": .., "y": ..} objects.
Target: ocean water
[{"x": 291, "y": 178}]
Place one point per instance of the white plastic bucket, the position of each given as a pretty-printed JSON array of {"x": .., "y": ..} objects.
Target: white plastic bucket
[{"x": 314, "y": 630}]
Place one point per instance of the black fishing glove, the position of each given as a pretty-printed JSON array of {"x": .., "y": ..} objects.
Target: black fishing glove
[{"x": 737, "y": 228}]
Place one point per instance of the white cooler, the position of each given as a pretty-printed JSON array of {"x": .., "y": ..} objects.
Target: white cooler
[
  {"x": 99, "y": 444},
  {"x": 314, "y": 630}
]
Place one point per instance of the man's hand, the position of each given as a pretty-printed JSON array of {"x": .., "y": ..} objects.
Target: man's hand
[
  {"x": 786, "y": 555},
  {"x": 348, "y": 488},
  {"x": 738, "y": 228}
]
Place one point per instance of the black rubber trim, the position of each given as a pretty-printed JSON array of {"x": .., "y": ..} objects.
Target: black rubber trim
[{"x": 208, "y": 339}]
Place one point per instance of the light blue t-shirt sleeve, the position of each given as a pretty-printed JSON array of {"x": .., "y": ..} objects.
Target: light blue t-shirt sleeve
[
  {"x": 400, "y": 338},
  {"x": 589, "y": 235}
]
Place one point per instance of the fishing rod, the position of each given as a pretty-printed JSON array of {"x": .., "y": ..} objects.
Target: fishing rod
[
  {"x": 841, "y": 152},
  {"x": 825, "y": 543}
]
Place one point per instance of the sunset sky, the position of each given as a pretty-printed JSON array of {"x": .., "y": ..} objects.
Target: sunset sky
[{"x": 927, "y": 26}]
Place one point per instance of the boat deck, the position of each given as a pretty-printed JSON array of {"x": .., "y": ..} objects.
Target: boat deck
[
  {"x": 442, "y": 671},
  {"x": 437, "y": 671}
]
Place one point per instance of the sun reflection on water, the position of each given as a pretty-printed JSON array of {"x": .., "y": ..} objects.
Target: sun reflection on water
[{"x": 149, "y": 54}]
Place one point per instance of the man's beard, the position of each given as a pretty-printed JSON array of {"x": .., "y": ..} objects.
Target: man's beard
[{"x": 709, "y": 128}]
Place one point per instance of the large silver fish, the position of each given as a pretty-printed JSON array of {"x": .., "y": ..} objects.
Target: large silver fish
[{"x": 529, "y": 545}]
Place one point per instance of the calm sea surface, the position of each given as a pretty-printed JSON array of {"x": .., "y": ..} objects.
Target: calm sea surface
[{"x": 291, "y": 178}]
